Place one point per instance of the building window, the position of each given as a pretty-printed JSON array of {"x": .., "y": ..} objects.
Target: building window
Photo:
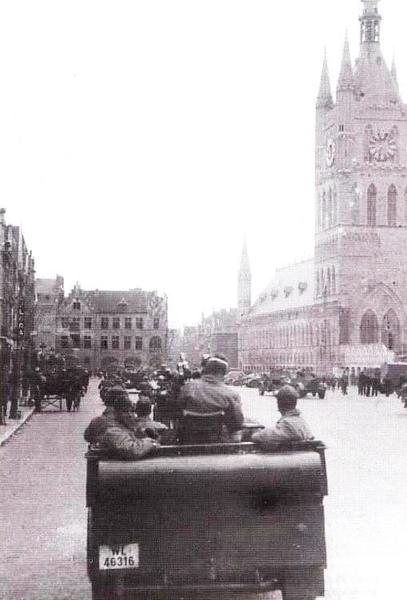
[
  {"x": 127, "y": 323},
  {"x": 127, "y": 342},
  {"x": 323, "y": 210},
  {"x": 115, "y": 342},
  {"x": 391, "y": 330},
  {"x": 392, "y": 206},
  {"x": 76, "y": 305},
  {"x": 104, "y": 323},
  {"x": 330, "y": 219},
  {"x": 371, "y": 205},
  {"x": 116, "y": 322},
  {"x": 156, "y": 323},
  {"x": 65, "y": 322},
  {"x": 64, "y": 341},
  {"x": 76, "y": 323},
  {"x": 103, "y": 342},
  {"x": 87, "y": 342},
  {"x": 76, "y": 340},
  {"x": 139, "y": 343},
  {"x": 369, "y": 328},
  {"x": 88, "y": 323},
  {"x": 139, "y": 322},
  {"x": 334, "y": 207},
  {"x": 155, "y": 344}
]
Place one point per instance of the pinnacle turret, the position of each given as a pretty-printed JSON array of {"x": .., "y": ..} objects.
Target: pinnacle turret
[
  {"x": 244, "y": 283},
  {"x": 324, "y": 99},
  {"x": 346, "y": 79},
  {"x": 244, "y": 261},
  {"x": 394, "y": 75}
]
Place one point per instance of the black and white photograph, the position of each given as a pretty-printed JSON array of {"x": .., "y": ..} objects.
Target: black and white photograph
[{"x": 203, "y": 300}]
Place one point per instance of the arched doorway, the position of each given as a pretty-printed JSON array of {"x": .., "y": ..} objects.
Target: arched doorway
[
  {"x": 369, "y": 328},
  {"x": 391, "y": 330}
]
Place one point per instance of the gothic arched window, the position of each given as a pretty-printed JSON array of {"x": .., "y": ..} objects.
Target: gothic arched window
[
  {"x": 333, "y": 282},
  {"x": 371, "y": 205},
  {"x": 323, "y": 210},
  {"x": 318, "y": 284},
  {"x": 328, "y": 282},
  {"x": 392, "y": 206},
  {"x": 330, "y": 215},
  {"x": 334, "y": 208},
  {"x": 369, "y": 328},
  {"x": 391, "y": 330}
]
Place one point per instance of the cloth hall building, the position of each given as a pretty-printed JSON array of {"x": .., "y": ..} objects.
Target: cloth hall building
[{"x": 346, "y": 307}]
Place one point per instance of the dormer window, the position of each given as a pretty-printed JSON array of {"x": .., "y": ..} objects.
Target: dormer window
[
  {"x": 122, "y": 305},
  {"x": 76, "y": 305},
  {"x": 302, "y": 286},
  {"x": 288, "y": 290}
]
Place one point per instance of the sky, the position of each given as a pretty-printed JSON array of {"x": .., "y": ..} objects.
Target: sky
[{"x": 141, "y": 141}]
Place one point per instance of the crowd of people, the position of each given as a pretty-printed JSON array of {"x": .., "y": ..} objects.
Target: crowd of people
[{"x": 128, "y": 431}]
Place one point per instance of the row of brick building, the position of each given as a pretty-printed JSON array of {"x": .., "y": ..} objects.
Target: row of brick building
[{"x": 17, "y": 295}]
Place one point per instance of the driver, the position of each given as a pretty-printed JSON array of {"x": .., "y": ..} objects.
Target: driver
[{"x": 210, "y": 394}]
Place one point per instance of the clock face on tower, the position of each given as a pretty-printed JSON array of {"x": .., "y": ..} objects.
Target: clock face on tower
[
  {"x": 382, "y": 147},
  {"x": 330, "y": 152}
]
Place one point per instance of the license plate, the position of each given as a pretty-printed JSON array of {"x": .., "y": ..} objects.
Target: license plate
[{"x": 119, "y": 557}]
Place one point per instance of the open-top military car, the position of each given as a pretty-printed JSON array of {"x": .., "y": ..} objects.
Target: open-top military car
[{"x": 200, "y": 520}]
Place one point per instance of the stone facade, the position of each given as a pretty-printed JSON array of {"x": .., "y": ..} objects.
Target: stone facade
[
  {"x": 16, "y": 312},
  {"x": 100, "y": 328},
  {"x": 49, "y": 295},
  {"x": 216, "y": 333},
  {"x": 359, "y": 297}
]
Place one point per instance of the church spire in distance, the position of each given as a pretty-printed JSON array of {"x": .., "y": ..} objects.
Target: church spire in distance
[
  {"x": 244, "y": 285},
  {"x": 346, "y": 80},
  {"x": 324, "y": 99}
]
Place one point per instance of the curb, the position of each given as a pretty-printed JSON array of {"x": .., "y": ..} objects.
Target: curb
[{"x": 6, "y": 435}]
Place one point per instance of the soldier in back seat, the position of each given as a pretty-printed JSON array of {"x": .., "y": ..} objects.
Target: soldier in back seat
[
  {"x": 291, "y": 427},
  {"x": 115, "y": 430}
]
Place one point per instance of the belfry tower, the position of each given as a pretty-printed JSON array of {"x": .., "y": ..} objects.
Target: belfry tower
[
  {"x": 361, "y": 194},
  {"x": 244, "y": 285}
]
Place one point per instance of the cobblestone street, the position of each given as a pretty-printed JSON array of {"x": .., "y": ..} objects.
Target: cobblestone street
[{"x": 43, "y": 516}]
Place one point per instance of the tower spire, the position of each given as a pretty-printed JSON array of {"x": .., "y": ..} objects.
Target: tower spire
[
  {"x": 346, "y": 80},
  {"x": 394, "y": 75},
  {"x": 244, "y": 283},
  {"x": 324, "y": 99},
  {"x": 370, "y": 22}
]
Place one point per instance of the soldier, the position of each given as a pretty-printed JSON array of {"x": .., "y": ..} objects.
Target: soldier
[
  {"x": 210, "y": 394},
  {"x": 290, "y": 427},
  {"x": 144, "y": 423},
  {"x": 115, "y": 432}
]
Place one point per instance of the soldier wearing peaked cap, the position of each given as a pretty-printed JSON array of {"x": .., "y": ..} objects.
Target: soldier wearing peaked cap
[{"x": 210, "y": 394}]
